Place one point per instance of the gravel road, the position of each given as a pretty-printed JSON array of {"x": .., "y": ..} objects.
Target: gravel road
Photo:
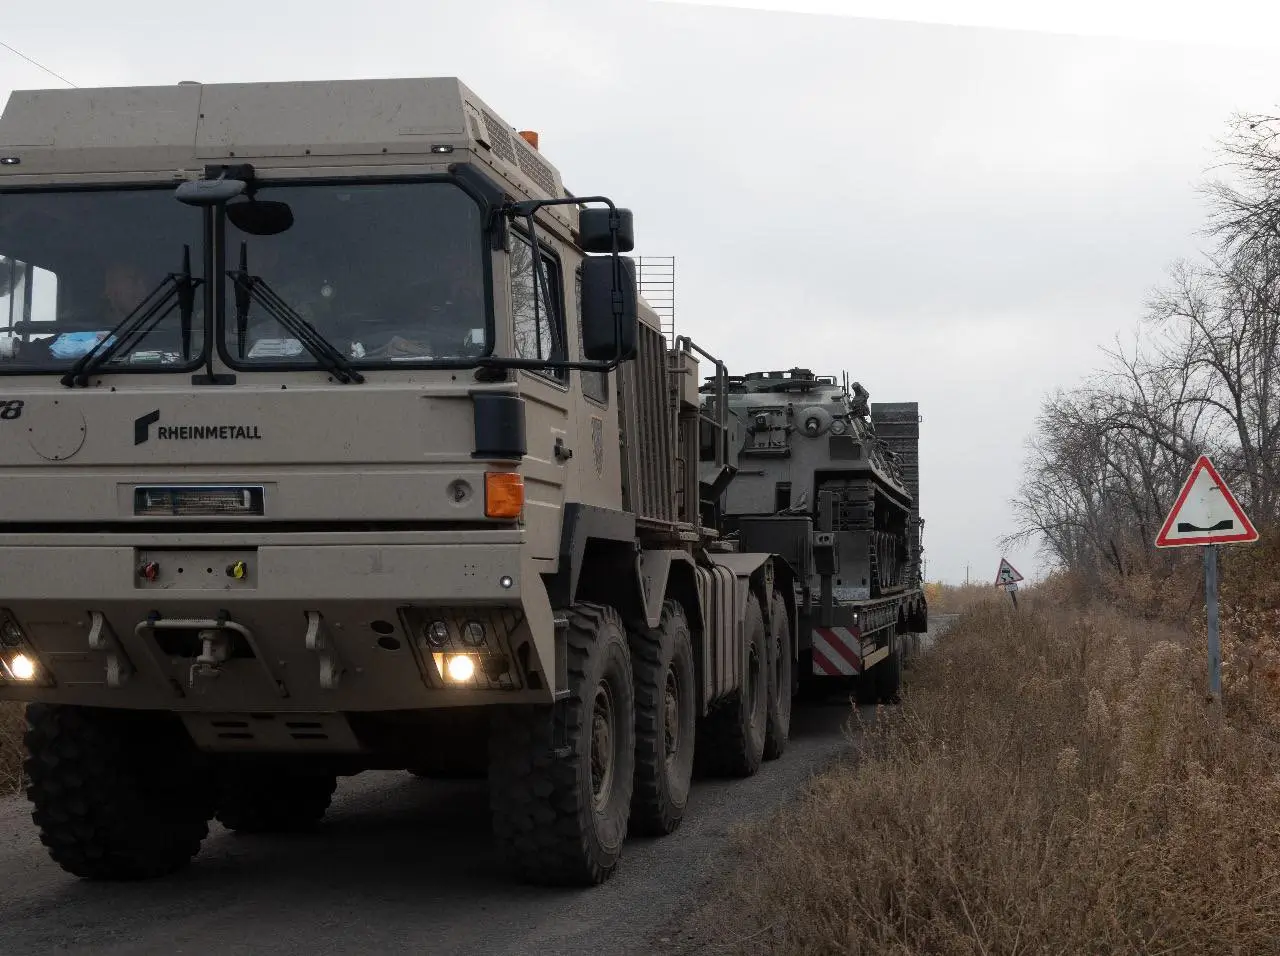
[{"x": 401, "y": 866}]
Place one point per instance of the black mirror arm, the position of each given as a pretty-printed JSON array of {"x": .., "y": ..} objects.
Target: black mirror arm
[{"x": 527, "y": 209}]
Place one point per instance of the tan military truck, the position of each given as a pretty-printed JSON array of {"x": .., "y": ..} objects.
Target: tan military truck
[{"x": 334, "y": 436}]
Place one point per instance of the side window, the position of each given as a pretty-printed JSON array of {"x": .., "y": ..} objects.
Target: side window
[
  {"x": 27, "y": 293},
  {"x": 539, "y": 336},
  {"x": 595, "y": 385}
]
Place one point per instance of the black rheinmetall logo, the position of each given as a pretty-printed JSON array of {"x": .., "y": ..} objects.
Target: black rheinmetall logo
[
  {"x": 142, "y": 426},
  {"x": 142, "y": 431}
]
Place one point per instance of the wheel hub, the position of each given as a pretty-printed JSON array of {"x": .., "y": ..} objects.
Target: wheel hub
[
  {"x": 602, "y": 747},
  {"x": 671, "y": 715}
]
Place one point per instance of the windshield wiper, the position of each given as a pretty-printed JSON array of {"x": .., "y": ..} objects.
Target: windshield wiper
[
  {"x": 141, "y": 322},
  {"x": 250, "y": 287}
]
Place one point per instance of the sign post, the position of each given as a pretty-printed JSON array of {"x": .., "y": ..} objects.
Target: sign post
[
  {"x": 1008, "y": 577},
  {"x": 1207, "y": 514}
]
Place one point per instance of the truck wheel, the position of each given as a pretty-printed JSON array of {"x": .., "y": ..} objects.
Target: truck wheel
[
  {"x": 116, "y": 795},
  {"x": 254, "y": 800},
  {"x": 666, "y": 720},
  {"x": 560, "y": 815},
  {"x": 778, "y": 723},
  {"x": 731, "y": 736}
]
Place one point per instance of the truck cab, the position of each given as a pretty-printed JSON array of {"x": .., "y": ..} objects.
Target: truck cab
[{"x": 336, "y": 437}]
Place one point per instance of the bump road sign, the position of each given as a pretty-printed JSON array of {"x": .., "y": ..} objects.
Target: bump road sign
[{"x": 1207, "y": 514}]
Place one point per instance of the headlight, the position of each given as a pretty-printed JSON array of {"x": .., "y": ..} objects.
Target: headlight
[
  {"x": 22, "y": 667},
  {"x": 461, "y": 668},
  {"x": 455, "y": 668},
  {"x": 838, "y": 427},
  {"x": 466, "y": 647},
  {"x": 437, "y": 633},
  {"x": 18, "y": 661}
]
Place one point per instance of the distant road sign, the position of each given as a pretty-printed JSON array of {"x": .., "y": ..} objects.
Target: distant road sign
[
  {"x": 1007, "y": 574},
  {"x": 1205, "y": 512}
]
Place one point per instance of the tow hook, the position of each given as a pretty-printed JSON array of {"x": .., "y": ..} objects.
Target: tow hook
[
  {"x": 216, "y": 636},
  {"x": 216, "y": 647}
]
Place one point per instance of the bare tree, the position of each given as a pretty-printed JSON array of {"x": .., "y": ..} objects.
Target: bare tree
[
  {"x": 1203, "y": 376},
  {"x": 1245, "y": 209}
]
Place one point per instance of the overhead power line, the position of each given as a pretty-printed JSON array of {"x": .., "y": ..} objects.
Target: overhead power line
[{"x": 40, "y": 66}]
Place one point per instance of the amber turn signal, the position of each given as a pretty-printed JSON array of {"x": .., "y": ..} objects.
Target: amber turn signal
[{"x": 503, "y": 494}]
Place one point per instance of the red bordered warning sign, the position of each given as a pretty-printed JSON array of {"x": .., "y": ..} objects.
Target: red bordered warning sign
[
  {"x": 1006, "y": 574},
  {"x": 1205, "y": 512}
]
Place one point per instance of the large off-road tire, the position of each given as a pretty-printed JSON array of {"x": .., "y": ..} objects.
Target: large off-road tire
[
  {"x": 261, "y": 800},
  {"x": 116, "y": 795},
  {"x": 778, "y": 708},
  {"x": 560, "y": 816},
  {"x": 731, "y": 737},
  {"x": 666, "y": 722}
]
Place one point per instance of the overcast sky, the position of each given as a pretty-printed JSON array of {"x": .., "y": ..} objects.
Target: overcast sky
[{"x": 957, "y": 216}]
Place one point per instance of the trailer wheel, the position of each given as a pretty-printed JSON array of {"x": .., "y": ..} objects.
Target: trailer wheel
[
  {"x": 116, "y": 795},
  {"x": 666, "y": 721},
  {"x": 778, "y": 726},
  {"x": 731, "y": 737},
  {"x": 561, "y": 777},
  {"x": 259, "y": 800}
]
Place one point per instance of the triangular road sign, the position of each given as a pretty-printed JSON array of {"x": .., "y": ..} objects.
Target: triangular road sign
[
  {"x": 1007, "y": 574},
  {"x": 1205, "y": 512}
]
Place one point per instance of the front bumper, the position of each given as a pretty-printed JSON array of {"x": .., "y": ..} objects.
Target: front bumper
[{"x": 287, "y": 627}]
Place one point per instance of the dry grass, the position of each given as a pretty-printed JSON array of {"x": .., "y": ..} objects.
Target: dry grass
[
  {"x": 1249, "y": 611},
  {"x": 11, "y": 752},
  {"x": 1054, "y": 783},
  {"x": 958, "y": 598}
]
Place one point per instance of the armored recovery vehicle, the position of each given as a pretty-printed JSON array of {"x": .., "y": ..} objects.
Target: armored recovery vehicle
[
  {"x": 334, "y": 437},
  {"x": 831, "y": 482}
]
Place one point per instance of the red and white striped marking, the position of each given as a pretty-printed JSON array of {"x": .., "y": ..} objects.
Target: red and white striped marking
[{"x": 837, "y": 651}]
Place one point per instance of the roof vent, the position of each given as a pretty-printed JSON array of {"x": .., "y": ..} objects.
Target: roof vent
[{"x": 188, "y": 82}]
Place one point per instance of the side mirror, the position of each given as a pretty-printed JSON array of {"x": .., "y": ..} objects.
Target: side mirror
[
  {"x": 606, "y": 337},
  {"x": 209, "y": 192},
  {"x": 259, "y": 218},
  {"x": 594, "y": 234}
]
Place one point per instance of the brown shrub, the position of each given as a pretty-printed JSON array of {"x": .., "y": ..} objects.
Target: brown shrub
[
  {"x": 11, "y": 750},
  {"x": 1053, "y": 783},
  {"x": 958, "y": 598}
]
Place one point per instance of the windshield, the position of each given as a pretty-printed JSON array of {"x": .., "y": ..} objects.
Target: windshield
[
  {"x": 74, "y": 264},
  {"x": 385, "y": 273}
]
